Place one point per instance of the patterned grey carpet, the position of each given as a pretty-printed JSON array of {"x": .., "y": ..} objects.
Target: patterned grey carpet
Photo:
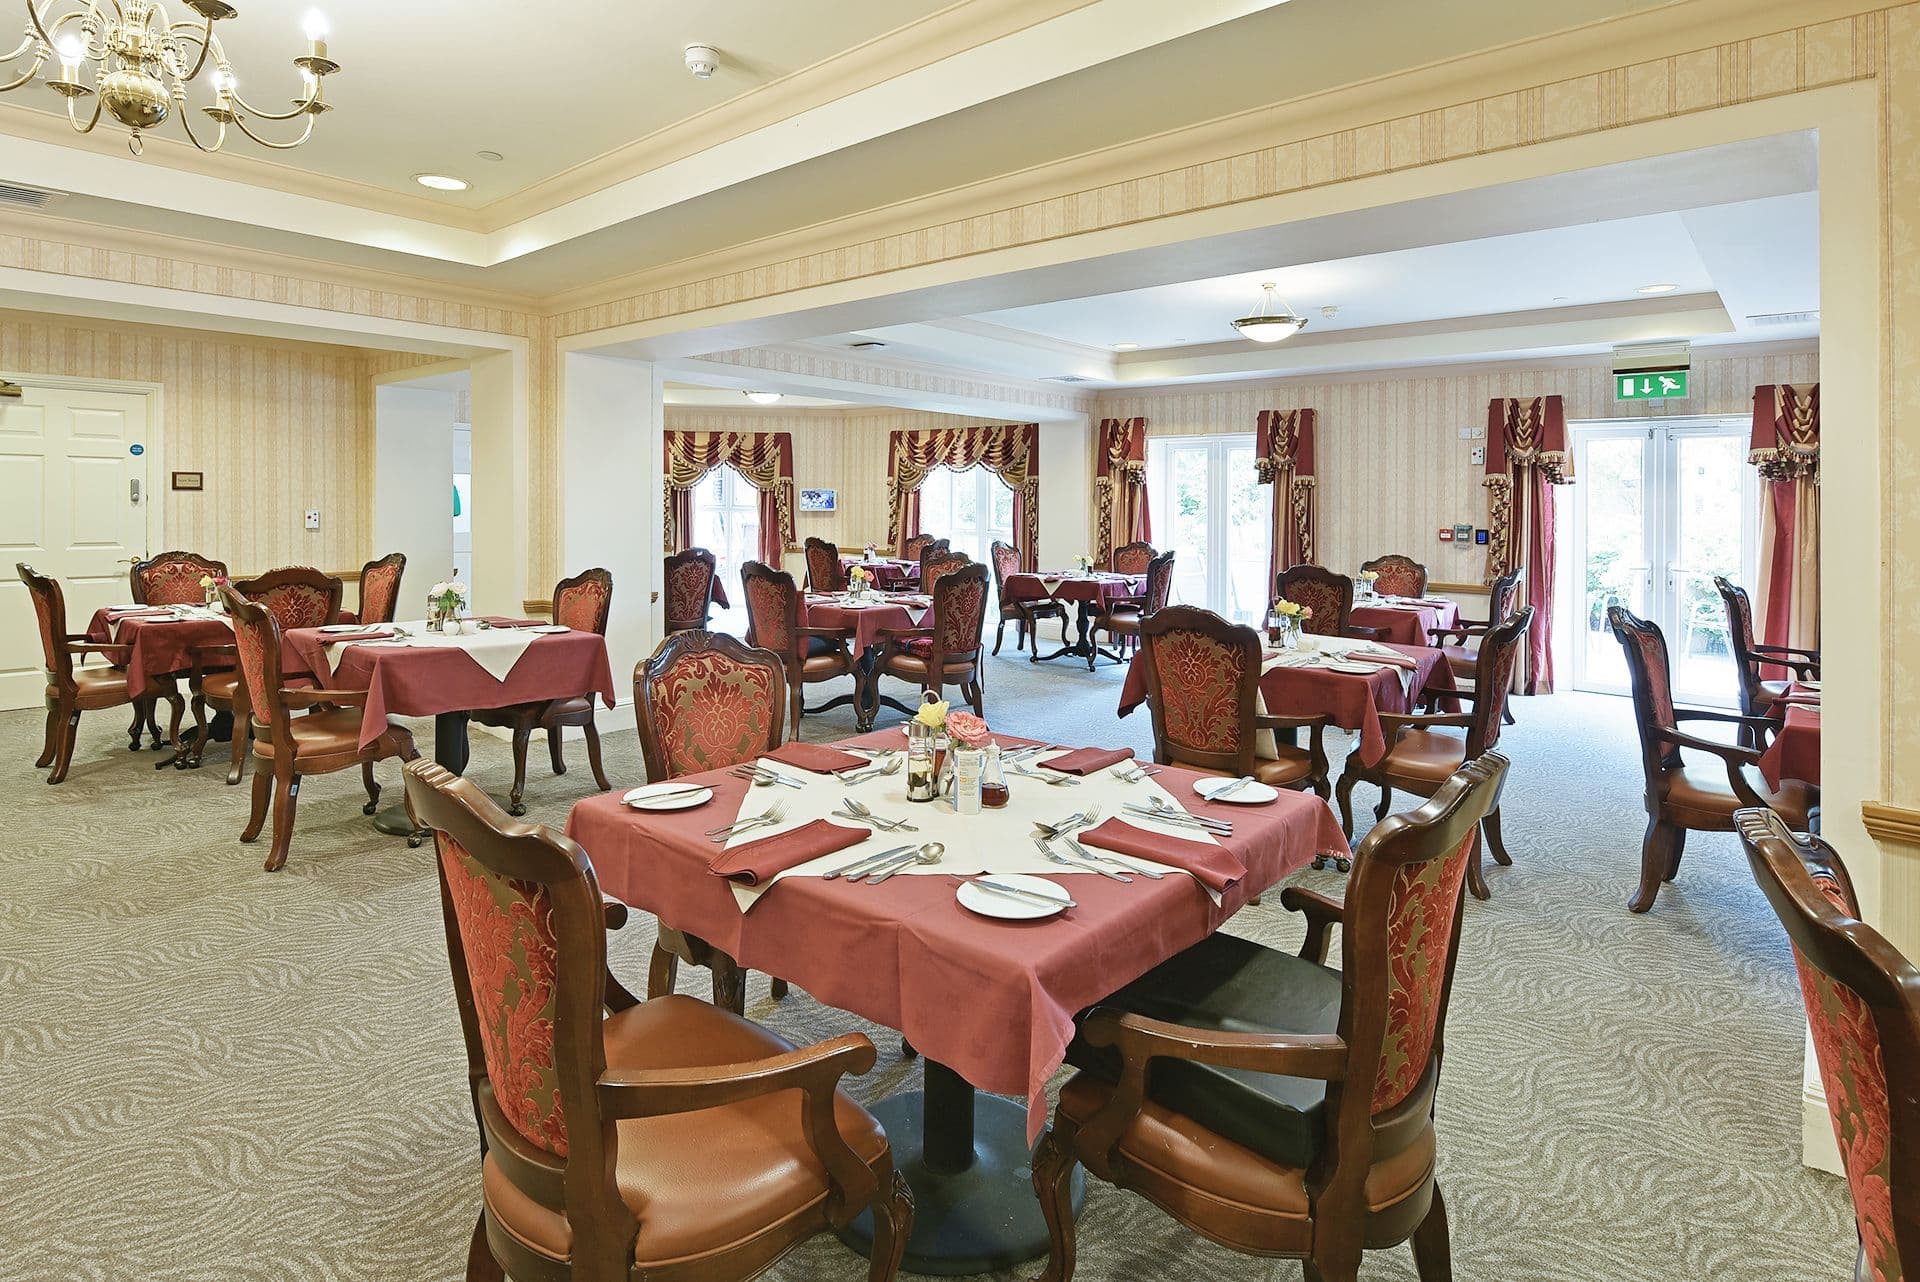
[{"x": 219, "y": 1073}]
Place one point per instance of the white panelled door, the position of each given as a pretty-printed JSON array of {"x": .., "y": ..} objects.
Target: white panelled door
[{"x": 73, "y": 504}]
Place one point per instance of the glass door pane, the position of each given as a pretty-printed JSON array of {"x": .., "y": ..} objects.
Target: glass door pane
[
  {"x": 1610, "y": 537},
  {"x": 1249, "y": 537},
  {"x": 1212, "y": 513},
  {"x": 1711, "y": 489},
  {"x": 1187, "y": 530}
]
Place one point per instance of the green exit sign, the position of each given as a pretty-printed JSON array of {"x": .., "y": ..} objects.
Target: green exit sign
[{"x": 1650, "y": 385}]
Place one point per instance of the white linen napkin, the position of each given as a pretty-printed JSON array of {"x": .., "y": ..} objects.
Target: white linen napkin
[{"x": 496, "y": 650}]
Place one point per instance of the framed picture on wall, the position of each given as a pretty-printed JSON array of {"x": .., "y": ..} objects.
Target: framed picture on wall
[
  {"x": 819, "y": 500},
  {"x": 188, "y": 481}
]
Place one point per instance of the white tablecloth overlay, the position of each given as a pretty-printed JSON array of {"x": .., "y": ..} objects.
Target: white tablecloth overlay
[
  {"x": 1316, "y": 652},
  {"x": 496, "y": 650},
  {"x": 993, "y": 841}
]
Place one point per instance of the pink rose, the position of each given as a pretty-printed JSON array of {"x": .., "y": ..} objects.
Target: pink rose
[{"x": 967, "y": 728}]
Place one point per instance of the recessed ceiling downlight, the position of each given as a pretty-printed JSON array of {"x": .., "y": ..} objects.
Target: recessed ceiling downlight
[
  {"x": 442, "y": 182},
  {"x": 1664, "y": 287}
]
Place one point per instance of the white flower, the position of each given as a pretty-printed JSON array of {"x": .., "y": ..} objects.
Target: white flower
[
  {"x": 458, "y": 587},
  {"x": 438, "y": 589}
]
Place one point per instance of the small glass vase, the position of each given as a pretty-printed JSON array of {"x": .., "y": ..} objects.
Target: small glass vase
[{"x": 923, "y": 763}]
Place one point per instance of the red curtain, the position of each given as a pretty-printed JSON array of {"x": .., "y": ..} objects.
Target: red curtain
[
  {"x": 1526, "y": 457},
  {"x": 1120, "y": 486},
  {"x": 1283, "y": 458},
  {"x": 764, "y": 458},
  {"x": 1011, "y": 452},
  {"x": 1786, "y": 449}
]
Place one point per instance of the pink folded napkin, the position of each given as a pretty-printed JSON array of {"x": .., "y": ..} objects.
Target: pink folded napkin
[
  {"x": 1391, "y": 659},
  {"x": 1216, "y": 866},
  {"x": 497, "y": 621},
  {"x": 1085, "y": 761},
  {"x": 821, "y": 761},
  {"x": 140, "y": 612},
  {"x": 348, "y": 638},
  {"x": 763, "y": 860}
]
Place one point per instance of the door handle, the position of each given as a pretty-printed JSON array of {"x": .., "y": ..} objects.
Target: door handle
[{"x": 133, "y": 491}]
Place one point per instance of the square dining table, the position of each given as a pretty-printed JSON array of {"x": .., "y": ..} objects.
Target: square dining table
[
  {"x": 890, "y": 573},
  {"x": 1093, "y": 593},
  {"x": 989, "y": 1003},
  {"x": 162, "y": 642},
  {"x": 1405, "y": 620},
  {"x": 864, "y": 619},
  {"x": 1795, "y": 750}
]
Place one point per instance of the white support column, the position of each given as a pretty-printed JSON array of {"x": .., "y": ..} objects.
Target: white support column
[
  {"x": 502, "y": 429},
  {"x": 611, "y": 424},
  {"x": 1066, "y": 491},
  {"x": 413, "y": 485}
]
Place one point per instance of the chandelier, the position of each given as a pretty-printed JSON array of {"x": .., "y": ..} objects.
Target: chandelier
[
  {"x": 1270, "y": 327},
  {"x": 135, "y": 64}
]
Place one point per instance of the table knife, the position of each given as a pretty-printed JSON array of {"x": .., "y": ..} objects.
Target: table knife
[
  {"x": 1000, "y": 887},
  {"x": 876, "y": 860}
]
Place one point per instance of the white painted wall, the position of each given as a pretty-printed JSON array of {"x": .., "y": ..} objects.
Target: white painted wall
[
  {"x": 413, "y": 485},
  {"x": 1066, "y": 492}
]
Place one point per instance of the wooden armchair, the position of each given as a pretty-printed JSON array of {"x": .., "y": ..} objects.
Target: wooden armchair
[
  {"x": 1758, "y": 693},
  {"x": 911, "y": 548},
  {"x": 928, "y": 553},
  {"x": 1274, "y": 1105},
  {"x": 689, "y": 580},
  {"x": 1133, "y": 558},
  {"x": 824, "y": 571},
  {"x": 1203, "y": 687},
  {"x": 1421, "y": 755},
  {"x": 379, "y": 590},
  {"x": 1863, "y": 1009},
  {"x": 1681, "y": 798},
  {"x": 297, "y": 597},
  {"x": 1328, "y": 595},
  {"x": 72, "y": 690},
  {"x": 171, "y": 578},
  {"x": 945, "y": 652},
  {"x": 664, "y": 1139},
  {"x": 581, "y": 603},
  {"x": 1464, "y": 658},
  {"x": 810, "y": 655},
  {"x": 1399, "y": 575},
  {"x": 1024, "y": 615},
  {"x": 285, "y": 747},
  {"x": 677, "y": 694},
  {"x": 1122, "y": 622}
]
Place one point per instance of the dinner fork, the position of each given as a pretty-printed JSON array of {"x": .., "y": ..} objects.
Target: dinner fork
[
  {"x": 889, "y": 764},
  {"x": 1056, "y": 779},
  {"x": 854, "y": 810},
  {"x": 1134, "y": 772},
  {"x": 1085, "y": 819},
  {"x": 1055, "y": 857},
  {"x": 772, "y": 815}
]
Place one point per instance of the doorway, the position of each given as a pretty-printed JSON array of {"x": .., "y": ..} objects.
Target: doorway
[
  {"x": 971, "y": 508},
  {"x": 726, "y": 521},
  {"x": 1658, "y": 511},
  {"x": 1211, "y": 511}
]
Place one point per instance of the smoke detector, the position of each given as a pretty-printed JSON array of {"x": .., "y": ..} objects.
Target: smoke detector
[
  {"x": 702, "y": 61},
  {"x": 1329, "y": 312}
]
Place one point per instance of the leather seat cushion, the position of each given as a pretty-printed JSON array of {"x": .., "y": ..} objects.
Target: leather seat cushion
[
  {"x": 821, "y": 667},
  {"x": 220, "y": 686},
  {"x": 1702, "y": 793},
  {"x": 572, "y": 707},
  {"x": 913, "y": 667},
  {"x": 1462, "y": 659},
  {"x": 704, "y": 1181},
  {"x": 1228, "y": 984},
  {"x": 1424, "y": 754},
  {"x": 324, "y": 733},
  {"x": 100, "y": 682}
]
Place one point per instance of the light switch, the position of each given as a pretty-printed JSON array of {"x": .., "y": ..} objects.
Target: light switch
[
  {"x": 313, "y": 519},
  {"x": 1466, "y": 433}
]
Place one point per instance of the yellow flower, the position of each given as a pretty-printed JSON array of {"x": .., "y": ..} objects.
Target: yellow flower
[
  {"x": 206, "y": 580},
  {"x": 932, "y": 715}
]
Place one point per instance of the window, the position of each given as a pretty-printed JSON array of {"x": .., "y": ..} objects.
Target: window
[
  {"x": 726, "y": 522},
  {"x": 971, "y": 509},
  {"x": 1210, "y": 510}
]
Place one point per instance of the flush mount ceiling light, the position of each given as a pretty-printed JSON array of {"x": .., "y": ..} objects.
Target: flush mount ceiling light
[
  {"x": 1126, "y": 347},
  {"x": 135, "y": 63},
  {"x": 442, "y": 182},
  {"x": 763, "y": 398},
  {"x": 1664, "y": 287},
  {"x": 1268, "y": 326}
]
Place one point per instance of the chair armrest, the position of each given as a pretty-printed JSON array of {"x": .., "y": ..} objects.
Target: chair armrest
[
  {"x": 1811, "y": 656},
  {"x": 1460, "y": 633},
  {"x": 903, "y": 634},
  {"x": 1322, "y": 914},
  {"x": 104, "y": 648},
  {"x": 1359, "y": 633},
  {"x": 1732, "y": 718},
  {"x": 1395, "y": 722},
  {"x": 1271, "y": 721},
  {"x": 315, "y": 696},
  {"x": 1732, "y": 754},
  {"x": 612, "y": 911},
  {"x": 815, "y": 1071}
]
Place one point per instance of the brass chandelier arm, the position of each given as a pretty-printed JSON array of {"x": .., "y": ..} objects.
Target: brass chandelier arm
[
  {"x": 186, "y": 123},
  {"x": 268, "y": 142},
  {"x": 92, "y": 120},
  {"x": 301, "y": 107},
  {"x": 32, "y": 71},
  {"x": 203, "y": 36}
]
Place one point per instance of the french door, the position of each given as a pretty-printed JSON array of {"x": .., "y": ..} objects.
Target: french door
[
  {"x": 726, "y": 522},
  {"x": 971, "y": 508},
  {"x": 1656, "y": 512},
  {"x": 1210, "y": 510}
]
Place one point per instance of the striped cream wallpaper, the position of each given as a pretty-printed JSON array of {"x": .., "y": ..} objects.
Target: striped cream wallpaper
[
  {"x": 276, "y": 428},
  {"x": 1392, "y": 467}
]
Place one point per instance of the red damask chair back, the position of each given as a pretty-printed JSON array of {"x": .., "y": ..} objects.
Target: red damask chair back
[
  {"x": 1202, "y": 678},
  {"x": 824, "y": 572},
  {"x": 1328, "y": 595},
  {"x": 1401, "y": 576},
  {"x": 959, "y": 605},
  {"x": 937, "y": 548},
  {"x": 937, "y": 565},
  {"x": 1502, "y": 593},
  {"x": 913, "y": 547},
  {"x": 1006, "y": 564},
  {"x": 1863, "y": 1009},
  {"x": 584, "y": 601},
  {"x": 773, "y": 608},
  {"x": 689, "y": 578},
  {"x": 173, "y": 578},
  {"x": 1159, "y": 583},
  {"x": 50, "y": 612},
  {"x": 297, "y": 596},
  {"x": 1646, "y": 650},
  {"x": 1493, "y": 680},
  {"x": 256, "y": 640},
  {"x": 380, "y": 588},
  {"x": 1133, "y": 558},
  {"x": 704, "y": 700}
]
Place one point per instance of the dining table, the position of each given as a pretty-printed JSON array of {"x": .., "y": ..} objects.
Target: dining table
[
  {"x": 409, "y": 671},
  {"x": 1321, "y": 679},
  {"x": 1795, "y": 750},
  {"x": 987, "y": 1003},
  {"x": 162, "y": 642},
  {"x": 1092, "y": 593},
  {"x": 863, "y": 618},
  {"x": 890, "y": 573},
  {"x": 1405, "y": 620}
]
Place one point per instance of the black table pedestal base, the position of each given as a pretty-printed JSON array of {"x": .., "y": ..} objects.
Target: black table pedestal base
[
  {"x": 966, "y": 1158},
  {"x": 450, "y": 749}
]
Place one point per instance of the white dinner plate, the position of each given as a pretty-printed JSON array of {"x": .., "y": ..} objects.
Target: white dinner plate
[
  {"x": 1252, "y": 794},
  {"x": 349, "y": 627},
  {"x": 991, "y": 903},
  {"x": 646, "y": 797},
  {"x": 550, "y": 629},
  {"x": 1811, "y": 685}
]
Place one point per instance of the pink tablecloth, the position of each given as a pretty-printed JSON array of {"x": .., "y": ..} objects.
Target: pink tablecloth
[
  {"x": 424, "y": 682},
  {"x": 1795, "y": 751},
  {"x": 890, "y": 574},
  {"x": 992, "y": 1000},
  {"x": 1101, "y": 590},
  {"x": 161, "y": 648},
  {"x": 1406, "y": 622},
  {"x": 1348, "y": 700},
  {"x": 866, "y": 621}
]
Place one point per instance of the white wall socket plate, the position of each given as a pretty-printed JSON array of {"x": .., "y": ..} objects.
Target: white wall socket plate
[
  {"x": 1477, "y": 456},
  {"x": 313, "y": 519}
]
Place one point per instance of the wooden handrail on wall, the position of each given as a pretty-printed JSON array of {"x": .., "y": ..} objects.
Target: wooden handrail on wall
[{"x": 1887, "y": 822}]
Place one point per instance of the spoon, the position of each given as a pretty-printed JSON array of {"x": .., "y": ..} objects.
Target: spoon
[
  {"x": 927, "y": 854},
  {"x": 1187, "y": 816}
]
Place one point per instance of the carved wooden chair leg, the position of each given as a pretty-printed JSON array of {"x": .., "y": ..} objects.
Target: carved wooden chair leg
[
  {"x": 1386, "y": 800},
  {"x": 1656, "y": 860},
  {"x": 592, "y": 735},
  {"x": 373, "y": 788},
  {"x": 242, "y": 714},
  {"x": 1345, "y": 794},
  {"x": 1053, "y": 1165},
  {"x": 892, "y": 1226},
  {"x": 139, "y": 725},
  {"x": 1000, "y": 632},
  {"x": 780, "y": 989},
  {"x": 51, "y": 744},
  {"x": 1495, "y": 843},
  {"x": 286, "y": 800},
  {"x": 1477, "y": 873},
  {"x": 662, "y": 972},
  {"x": 262, "y": 795},
  {"x": 1679, "y": 848},
  {"x": 153, "y": 724},
  {"x": 63, "y": 751},
  {"x": 729, "y": 985},
  {"x": 1432, "y": 1249},
  {"x": 557, "y": 748},
  {"x": 481, "y": 1266},
  {"x": 522, "y": 733}
]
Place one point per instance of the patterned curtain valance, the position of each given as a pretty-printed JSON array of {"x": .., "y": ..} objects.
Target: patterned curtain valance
[
  {"x": 1120, "y": 485},
  {"x": 1011, "y": 452},
  {"x": 764, "y": 458},
  {"x": 1285, "y": 444},
  {"x": 1283, "y": 458},
  {"x": 1529, "y": 433},
  {"x": 1786, "y": 431}
]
